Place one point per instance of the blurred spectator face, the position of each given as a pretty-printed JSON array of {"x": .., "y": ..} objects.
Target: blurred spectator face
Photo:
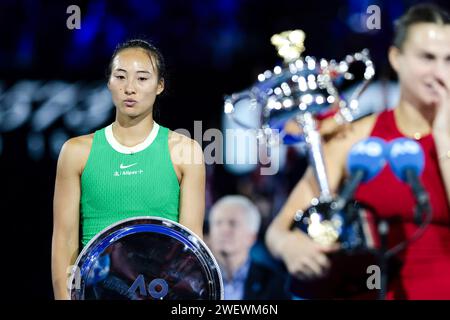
[
  {"x": 229, "y": 231},
  {"x": 134, "y": 82},
  {"x": 424, "y": 59}
]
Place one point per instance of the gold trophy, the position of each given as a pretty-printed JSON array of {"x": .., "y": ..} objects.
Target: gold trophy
[{"x": 298, "y": 91}]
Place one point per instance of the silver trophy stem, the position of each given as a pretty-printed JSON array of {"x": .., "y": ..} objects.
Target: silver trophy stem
[{"x": 314, "y": 143}]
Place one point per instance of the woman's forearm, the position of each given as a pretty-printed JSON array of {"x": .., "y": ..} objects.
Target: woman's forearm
[{"x": 63, "y": 257}]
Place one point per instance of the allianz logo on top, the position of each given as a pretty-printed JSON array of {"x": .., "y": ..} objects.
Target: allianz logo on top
[{"x": 123, "y": 172}]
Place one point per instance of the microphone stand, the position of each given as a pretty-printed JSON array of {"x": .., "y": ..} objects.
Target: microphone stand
[
  {"x": 383, "y": 230},
  {"x": 420, "y": 210},
  {"x": 422, "y": 199}
]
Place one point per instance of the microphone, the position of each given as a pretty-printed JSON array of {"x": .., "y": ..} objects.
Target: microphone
[
  {"x": 365, "y": 161},
  {"x": 407, "y": 161}
]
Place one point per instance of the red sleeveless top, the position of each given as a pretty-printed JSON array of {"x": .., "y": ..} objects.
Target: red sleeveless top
[{"x": 426, "y": 262}]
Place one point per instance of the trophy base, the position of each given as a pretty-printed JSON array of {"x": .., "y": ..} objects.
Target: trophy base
[
  {"x": 348, "y": 278},
  {"x": 352, "y": 267}
]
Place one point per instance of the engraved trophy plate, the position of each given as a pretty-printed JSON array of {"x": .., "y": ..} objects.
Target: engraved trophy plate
[{"x": 146, "y": 258}]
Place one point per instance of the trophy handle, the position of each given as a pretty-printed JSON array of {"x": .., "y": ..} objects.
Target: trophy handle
[
  {"x": 347, "y": 108},
  {"x": 233, "y": 99}
]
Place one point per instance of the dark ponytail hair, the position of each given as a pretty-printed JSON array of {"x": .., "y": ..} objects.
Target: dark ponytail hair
[{"x": 152, "y": 51}]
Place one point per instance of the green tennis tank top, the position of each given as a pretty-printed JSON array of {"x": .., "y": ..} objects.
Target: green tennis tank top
[{"x": 119, "y": 182}]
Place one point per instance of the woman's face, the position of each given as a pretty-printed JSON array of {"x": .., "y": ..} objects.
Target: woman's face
[
  {"x": 134, "y": 82},
  {"x": 423, "y": 62}
]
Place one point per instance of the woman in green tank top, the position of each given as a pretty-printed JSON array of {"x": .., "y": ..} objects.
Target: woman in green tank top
[{"x": 133, "y": 167}]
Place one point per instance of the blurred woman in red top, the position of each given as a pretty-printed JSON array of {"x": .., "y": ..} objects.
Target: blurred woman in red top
[{"x": 420, "y": 55}]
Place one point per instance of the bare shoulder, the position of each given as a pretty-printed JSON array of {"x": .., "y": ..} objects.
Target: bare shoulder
[
  {"x": 178, "y": 138},
  {"x": 80, "y": 144},
  {"x": 362, "y": 127},
  {"x": 184, "y": 150},
  {"x": 75, "y": 152},
  {"x": 336, "y": 149},
  {"x": 351, "y": 133}
]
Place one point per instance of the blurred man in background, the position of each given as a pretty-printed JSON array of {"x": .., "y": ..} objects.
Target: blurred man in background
[{"x": 234, "y": 223}]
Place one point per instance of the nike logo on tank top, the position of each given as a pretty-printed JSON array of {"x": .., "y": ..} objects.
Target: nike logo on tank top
[{"x": 120, "y": 182}]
